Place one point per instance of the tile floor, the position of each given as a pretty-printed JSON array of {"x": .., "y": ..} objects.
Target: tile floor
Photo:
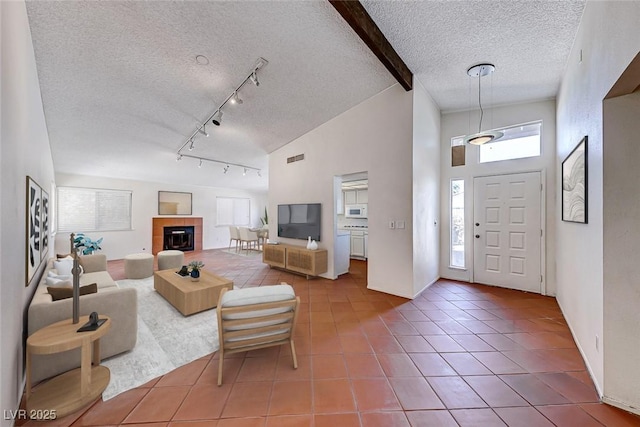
[{"x": 458, "y": 355}]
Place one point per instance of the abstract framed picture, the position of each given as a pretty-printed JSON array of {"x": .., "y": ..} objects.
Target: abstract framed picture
[
  {"x": 174, "y": 203},
  {"x": 34, "y": 195},
  {"x": 575, "y": 184},
  {"x": 44, "y": 225}
]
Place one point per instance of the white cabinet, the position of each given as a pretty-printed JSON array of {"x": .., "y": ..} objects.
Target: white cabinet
[
  {"x": 358, "y": 247},
  {"x": 340, "y": 205},
  {"x": 366, "y": 245},
  {"x": 362, "y": 197},
  {"x": 350, "y": 197}
]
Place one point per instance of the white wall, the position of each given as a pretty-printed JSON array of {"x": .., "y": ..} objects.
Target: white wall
[
  {"x": 118, "y": 244},
  {"x": 426, "y": 188},
  {"x": 609, "y": 39},
  {"x": 24, "y": 150},
  {"x": 376, "y": 137},
  {"x": 457, "y": 124},
  {"x": 621, "y": 201}
]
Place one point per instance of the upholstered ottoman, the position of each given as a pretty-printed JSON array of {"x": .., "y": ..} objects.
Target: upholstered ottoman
[
  {"x": 170, "y": 259},
  {"x": 138, "y": 266}
]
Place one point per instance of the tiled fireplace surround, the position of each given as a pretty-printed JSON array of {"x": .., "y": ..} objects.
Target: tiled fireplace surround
[{"x": 158, "y": 230}]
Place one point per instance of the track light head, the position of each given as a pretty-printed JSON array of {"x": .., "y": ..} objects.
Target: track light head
[
  {"x": 226, "y": 168},
  {"x": 244, "y": 173},
  {"x": 254, "y": 78},
  {"x": 200, "y": 164},
  {"x": 217, "y": 118},
  {"x": 191, "y": 145},
  {"x": 203, "y": 130},
  {"x": 235, "y": 99},
  {"x": 179, "y": 157},
  {"x": 259, "y": 174}
]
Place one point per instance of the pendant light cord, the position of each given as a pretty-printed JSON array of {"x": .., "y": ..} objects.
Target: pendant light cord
[{"x": 480, "y": 103}]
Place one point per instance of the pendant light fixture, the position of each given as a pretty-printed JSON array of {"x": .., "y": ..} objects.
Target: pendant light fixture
[{"x": 479, "y": 71}]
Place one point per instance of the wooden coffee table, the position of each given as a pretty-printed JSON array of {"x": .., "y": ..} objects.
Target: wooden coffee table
[{"x": 187, "y": 296}]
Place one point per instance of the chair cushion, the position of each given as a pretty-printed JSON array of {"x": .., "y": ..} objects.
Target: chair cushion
[{"x": 261, "y": 294}]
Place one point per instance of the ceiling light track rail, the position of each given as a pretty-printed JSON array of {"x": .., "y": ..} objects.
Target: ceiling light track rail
[{"x": 216, "y": 117}]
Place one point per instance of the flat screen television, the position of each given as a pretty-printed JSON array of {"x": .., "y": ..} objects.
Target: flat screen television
[{"x": 299, "y": 221}]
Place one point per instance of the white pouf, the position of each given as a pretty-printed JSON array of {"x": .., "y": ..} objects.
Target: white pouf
[
  {"x": 138, "y": 266},
  {"x": 170, "y": 259}
]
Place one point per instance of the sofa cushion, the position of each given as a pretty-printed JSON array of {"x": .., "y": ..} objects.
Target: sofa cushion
[
  {"x": 102, "y": 278},
  {"x": 58, "y": 293}
]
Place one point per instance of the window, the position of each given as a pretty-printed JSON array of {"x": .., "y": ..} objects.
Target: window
[
  {"x": 83, "y": 210},
  {"x": 233, "y": 211},
  {"x": 518, "y": 142},
  {"x": 456, "y": 256}
]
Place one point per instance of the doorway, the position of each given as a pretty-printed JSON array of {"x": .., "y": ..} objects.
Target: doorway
[{"x": 508, "y": 231}]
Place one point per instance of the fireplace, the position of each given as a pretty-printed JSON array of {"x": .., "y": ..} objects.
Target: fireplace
[{"x": 178, "y": 238}]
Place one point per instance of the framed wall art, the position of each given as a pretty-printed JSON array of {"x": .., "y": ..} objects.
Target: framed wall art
[
  {"x": 174, "y": 203},
  {"x": 34, "y": 202},
  {"x": 575, "y": 184},
  {"x": 45, "y": 209}
]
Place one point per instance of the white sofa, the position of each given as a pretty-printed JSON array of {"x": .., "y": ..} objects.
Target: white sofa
[{"x": 121, "y": 305}]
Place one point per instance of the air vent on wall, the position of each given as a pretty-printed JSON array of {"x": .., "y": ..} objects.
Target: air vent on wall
[{"x": 295, "y": 158}]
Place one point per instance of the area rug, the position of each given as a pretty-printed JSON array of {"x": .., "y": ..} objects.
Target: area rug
[
  {"x": 252, "y": 252},
  {"x": 166, "y": 340}
]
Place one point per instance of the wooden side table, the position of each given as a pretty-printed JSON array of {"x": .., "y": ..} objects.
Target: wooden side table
[{"x": 70, "y": 391}]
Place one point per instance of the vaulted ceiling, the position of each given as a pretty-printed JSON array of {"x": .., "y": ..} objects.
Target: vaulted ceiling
[{"x": 122, "y": 89}]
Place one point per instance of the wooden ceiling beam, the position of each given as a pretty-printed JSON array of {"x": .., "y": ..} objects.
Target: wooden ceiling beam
[{"x": 354, "y": 13}]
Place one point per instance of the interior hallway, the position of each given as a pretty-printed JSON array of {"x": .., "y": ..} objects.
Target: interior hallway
[{"x": 460, "y": 354}]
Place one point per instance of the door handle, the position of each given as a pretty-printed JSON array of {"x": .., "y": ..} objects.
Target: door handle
[
  {"x": 477, "y": 236},
  {"x": 477, "y": 224}
]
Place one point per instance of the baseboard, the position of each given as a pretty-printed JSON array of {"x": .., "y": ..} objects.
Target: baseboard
[
  {"x": 621, "y": 405},
  {"x": 426, "y": 287},
  {"x": 586, "y": 361}
]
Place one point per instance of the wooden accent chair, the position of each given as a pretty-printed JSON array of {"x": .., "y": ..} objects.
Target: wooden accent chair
[{"x": 254, "y": 318}]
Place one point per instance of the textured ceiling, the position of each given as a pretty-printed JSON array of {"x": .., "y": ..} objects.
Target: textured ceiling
[
  {"x": 122, "y": 90},
  {"x": 528, "y": 41}
]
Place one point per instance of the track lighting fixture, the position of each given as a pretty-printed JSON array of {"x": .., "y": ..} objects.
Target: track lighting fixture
[
  {"x": 235, "y": 99},
  {"x": 217, "y": 118},
  {"x": 179, "y": 157},
  {"x": 254, "y": 79},
  {"x": 200, "y": 164},
  {"x": 226, "y": 168},
  {"x": 203, "y": 130},
  {"x": 191, "y": 146},
  {"x": 244, "y": 173},
  {"x": 259, "y": 174}
]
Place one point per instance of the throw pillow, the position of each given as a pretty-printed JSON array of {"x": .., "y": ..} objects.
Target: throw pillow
[
  {"x": 54, "y": 274},
  {"x": 64, "y": 266},
  {"x": 64, "y": 293},
  {"x": 60, "y": 281}
]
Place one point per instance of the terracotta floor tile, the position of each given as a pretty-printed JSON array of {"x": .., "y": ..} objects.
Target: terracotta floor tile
[
  {"x": 415, "y": 344},
  {"x": 363, "y": 366},
  {"x": 242, "y": 422},
  {"x": 335, "y": 420},
  {"x": 325, "y": 345},
  {"x": 113, "y": 411},
  {"x": 257, "y": 369},
  {"x": 428, "y": 328},
  {"x": 384, "y": 419},
  {"x": 495, "y": 392},
  {"x": 328, "y": 366},
  {"x": 374, "y": 394},
  {"x": 401, "y": 328},
  {"x": 331, "y": 396},
  {"x": 204, "y": 401},
  {"x": 565, "y": 415},
  {"x": 571, "y": 388},
  {"x": 440, "y": 418},
  {"x": 355, "y": 344},
  {"x": 159, "y": 404},
  {"x": 414, "y": 316},
  {"x": 533, "y": 390},
  {"x": 523, "y": 417},
  {"x": 432, "y": 364},
  {"x": 477, "y": 418},
  {"x": 451, "y": 327},
  {"x": 285, "y": 370},
  {"x": 500, "y": 342},
  {"x": 208, "y": 423},
  {"x": 385, "y": 344},
  {"x": 248, "y": 399},
  {"x": 455, "y": 393},
  {"x": 472, "y": 343},
  {"x": 443, "y": 343},
  {"x": 498, "y": 363},
  {"x": 290, "y": 421},
  {"x": 465, "y": 364},
  {"x": 290, "y": 398},
  {"x": 611, "y": 416},
  {"x": 184, "y": 375},
  {"x": 415, "y": 393},
  {"x": 477, "y": 326},
  {"x": 398, "y": 365}
]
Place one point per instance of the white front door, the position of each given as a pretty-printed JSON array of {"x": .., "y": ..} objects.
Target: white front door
[{"x": 507, "y": 231}]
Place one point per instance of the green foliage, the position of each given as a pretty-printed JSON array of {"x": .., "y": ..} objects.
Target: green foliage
[
  {"x": 196, "y": 265},
  {"x": 85, "y": 244},
  {"x": 265, "y": 218}
]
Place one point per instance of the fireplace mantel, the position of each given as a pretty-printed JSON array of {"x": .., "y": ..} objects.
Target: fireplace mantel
[{"x": 187, "y": 221}]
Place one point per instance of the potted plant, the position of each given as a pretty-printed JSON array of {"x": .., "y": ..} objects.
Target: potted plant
[
  {"x": 265, "y": 219},
  {"x": 85, "y": 244},
  {"x": 194, "y": 270}
]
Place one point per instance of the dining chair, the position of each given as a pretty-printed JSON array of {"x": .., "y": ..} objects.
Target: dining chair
[
  {"x": 234, "y": 234},
  {"x": 247, "y": 236}
]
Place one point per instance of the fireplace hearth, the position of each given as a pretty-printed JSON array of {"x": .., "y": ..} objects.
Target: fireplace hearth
[{"x": 178, "y": 238}]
